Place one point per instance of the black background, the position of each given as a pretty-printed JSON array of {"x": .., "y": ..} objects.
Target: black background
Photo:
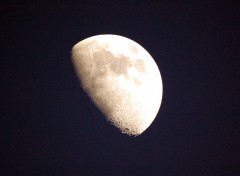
[{"x": 50, "y": 127}]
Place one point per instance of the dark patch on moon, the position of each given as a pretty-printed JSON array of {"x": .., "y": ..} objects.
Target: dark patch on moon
[
  {"x": 102, "y": 57},
  {"x": 104, "y": 60},
  {"x": 139, "y": 64},
  {"x": 120, "y": 65},
  {"x": 133, "y": 49},
  {"x": 137, "y": 82}
]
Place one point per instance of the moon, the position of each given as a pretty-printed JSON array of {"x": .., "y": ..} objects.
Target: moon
[{"x": 122, "y": 80}]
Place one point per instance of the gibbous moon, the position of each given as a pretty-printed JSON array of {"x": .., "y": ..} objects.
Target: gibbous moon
[{"x": 121, "y": 78}]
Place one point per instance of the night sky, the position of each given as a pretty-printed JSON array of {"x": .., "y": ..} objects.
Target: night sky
[{"x": 50, "y": 127}]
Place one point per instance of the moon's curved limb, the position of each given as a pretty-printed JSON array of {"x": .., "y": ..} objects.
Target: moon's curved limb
[{"x": 121, "y": 78}]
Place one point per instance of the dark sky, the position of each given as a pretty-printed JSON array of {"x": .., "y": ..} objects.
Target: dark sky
[{"x": 50, "y": 127}]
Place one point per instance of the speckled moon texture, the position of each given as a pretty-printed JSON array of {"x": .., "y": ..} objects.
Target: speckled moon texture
[{"x": 121, "y": 78}]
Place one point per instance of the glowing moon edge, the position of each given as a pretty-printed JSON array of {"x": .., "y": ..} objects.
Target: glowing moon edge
[{"x": 121, "y": 78}]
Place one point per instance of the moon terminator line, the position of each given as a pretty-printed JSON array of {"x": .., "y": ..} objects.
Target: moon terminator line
[{"x": 121, "y": 78}]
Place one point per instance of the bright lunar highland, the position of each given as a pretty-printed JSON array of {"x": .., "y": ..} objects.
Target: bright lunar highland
[{"x": 121, "y": 78}]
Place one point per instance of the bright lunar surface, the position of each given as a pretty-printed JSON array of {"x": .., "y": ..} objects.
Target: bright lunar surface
[{"x": 121, "y": 78}]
